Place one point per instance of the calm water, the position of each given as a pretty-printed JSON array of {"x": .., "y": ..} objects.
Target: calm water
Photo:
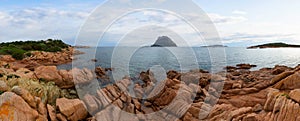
[{"x": 133, "y": 60}]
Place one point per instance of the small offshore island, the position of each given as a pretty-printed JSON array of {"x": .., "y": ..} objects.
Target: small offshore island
[
  {"x": 164, "y": 41},
  {"x": 274, "y": 45},
  {"x": 33, "y": 89}
]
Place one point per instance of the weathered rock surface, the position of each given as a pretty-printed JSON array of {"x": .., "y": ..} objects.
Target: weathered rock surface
[
  {"x": 73, "y": 110},
  {"x": 239, "y": 95},
  {"x": 290, "y": 82},
  {"x": 295, "y": 95},
  {"x": 15, "y": 108},
  {"x": 51, "y": 58}
]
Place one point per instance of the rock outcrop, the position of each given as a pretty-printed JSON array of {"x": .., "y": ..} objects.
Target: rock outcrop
[
  {"x": 51, "y": 58},
  {"x": 164, "y": 41},
  {"x": 72, "y": 110},
  {"x": 268, "y": 94},
  {"x": 15, "y": 108}
]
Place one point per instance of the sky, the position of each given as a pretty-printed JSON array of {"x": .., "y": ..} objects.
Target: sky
[{"x": 238, "y": 23}]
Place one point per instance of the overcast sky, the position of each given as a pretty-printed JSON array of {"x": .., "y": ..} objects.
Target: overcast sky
[{"x": 239, "y": 23}]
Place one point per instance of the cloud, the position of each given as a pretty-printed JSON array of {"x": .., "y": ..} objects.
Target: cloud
[
  {"x": 239, "y": 12},
  {"x": 240, "y": 37},
  {"x": 40, "y": 23},
  {"x": 220, "y": 19}
]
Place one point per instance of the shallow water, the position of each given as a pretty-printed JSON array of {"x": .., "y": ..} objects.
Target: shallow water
[{"x": 134, "y": 60}]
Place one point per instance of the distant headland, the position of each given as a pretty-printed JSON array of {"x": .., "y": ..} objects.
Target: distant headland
[
  {"x": 22, "y": 49},
  {"x": 164, "y": 41},
  {"x": 215, "y": 46},
  {"x": 274, "y": 45}
]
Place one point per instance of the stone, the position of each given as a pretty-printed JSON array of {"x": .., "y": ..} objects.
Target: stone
[
  {"x": 227, "y": 85},
  {"x": 3, "y": 86},
  {"x": 130, "y": 108},
  {"x": 281, "y": 76},
  {"x": 25, "y": 73},
  {"x": 245, "y": 66},
  {"x": 7, "y": 58},
  {"x": 290, "y": 82},
  {"x": 41, "y": 108},
  {"x": 118, "y": 103},
  {"x": 72, "y": 109},
  {"x": 295, "y": 95},
  {"x": 173, "y": 75},
  {"x": 195, "y": 111},
  {"x": 60, "y": 117},
  {"x": 49, "y": 73},
  {"x": 67, "y": 78},
  {"x": 238, "y": 112},
  {"x": 237, "y": 85},
  {"x": 51, "y": 112},
  {"x": 14, "y": 107},
  {"x": 250, "y": 117},
  {"x": 84, "y": 76},
  {"x": 91, "y": 103},
  {"x": 166, "y": 97},
  {"x": 25, "y": 95},
  {"x": 103, "y": 98},
  {"x": 257, "y": 108}
]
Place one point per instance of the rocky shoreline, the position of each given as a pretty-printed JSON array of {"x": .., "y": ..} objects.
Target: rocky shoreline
[{"x": 42, "y": 92}]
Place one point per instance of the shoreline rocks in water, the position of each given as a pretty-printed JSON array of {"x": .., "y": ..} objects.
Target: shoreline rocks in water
[{"x": 46, "y": 93}]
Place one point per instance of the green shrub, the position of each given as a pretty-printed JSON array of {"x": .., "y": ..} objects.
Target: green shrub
[
  {"x": 53, "y": 49},
  {"x": 20, "y": 49},
  {"x": 28, "y": 54},
  {"x": 18, "y": 54}
]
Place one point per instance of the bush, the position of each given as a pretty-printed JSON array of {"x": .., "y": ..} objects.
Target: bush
[
  {"x": 28, "y": 54},
  {"x": 20, "y": 49},
  {"x": 53, "y": 49},
  {"x": 19, "y": 55}
]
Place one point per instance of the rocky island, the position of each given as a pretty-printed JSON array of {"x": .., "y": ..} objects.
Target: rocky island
[
  {"x": 164, "y": 41},
  {"x": 42, "y": 93},
  {"x": 274, "y": 45}
]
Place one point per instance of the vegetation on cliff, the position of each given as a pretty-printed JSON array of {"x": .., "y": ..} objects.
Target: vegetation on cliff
[{"x": 21, "y": 49}]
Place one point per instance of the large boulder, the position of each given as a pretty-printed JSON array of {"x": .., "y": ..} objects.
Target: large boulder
[
  {"x": 25, "y": 73},
  {"x": 72, "y": 109},
  {"x": 279, "y": 69},
  {"x": 49, "y": 73},
  {"x": 15, "y": 108},
  {"x": 295, "y": 95},
  {"x": 7, "y": 58},
  {"x": 61, "y": 78},
  {"x": 290, "y": 82},
  {"x": 280, "y": 108}
]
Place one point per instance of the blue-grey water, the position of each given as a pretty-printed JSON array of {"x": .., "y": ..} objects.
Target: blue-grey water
[{"x": 136, "y": 60}]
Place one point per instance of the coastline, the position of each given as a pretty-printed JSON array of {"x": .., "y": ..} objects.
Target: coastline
[{"x": 239, "y": 90}]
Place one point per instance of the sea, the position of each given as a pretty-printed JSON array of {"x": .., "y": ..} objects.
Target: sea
[{"x": 133, "y": 60}]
